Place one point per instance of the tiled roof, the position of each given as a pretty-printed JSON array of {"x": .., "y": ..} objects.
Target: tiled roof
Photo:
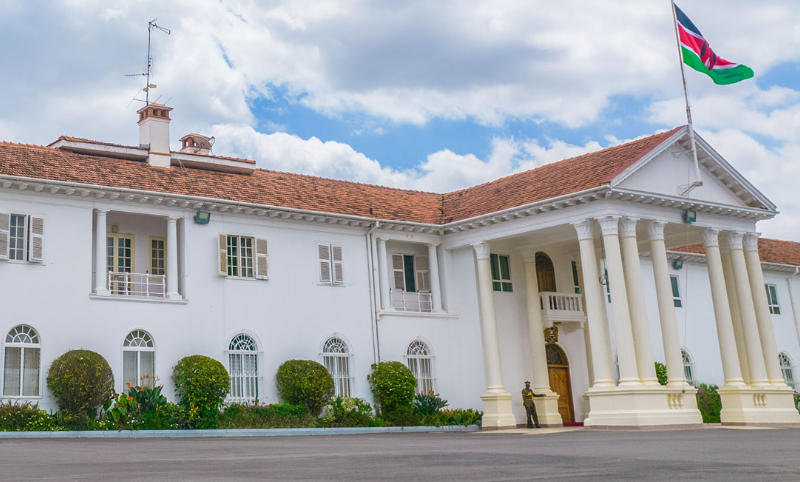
[
  {"x": 90, "y": 141},
  {"x": 769, "y": 250}
]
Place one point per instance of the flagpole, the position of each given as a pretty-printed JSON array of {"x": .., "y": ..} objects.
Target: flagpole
[{"x": 698, "y": 182}]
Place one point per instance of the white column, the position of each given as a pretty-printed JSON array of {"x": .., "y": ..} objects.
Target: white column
[
  {"x": 541, "y": 379},
  {"x": 101, "y": 267},
  {"x": 436, "y": 289},
  {"x": 765, "y": 330},
  {"x": 626, "y": 355},
  {"x": 722, "y": 312},
  {"x": 736, "y": 318},
  {"x": 645, "y": 360},
  {"x": 755, "y": 356},
  {"x": 595, "y": 309},
  {"x": 491, "y": 342},
  {"x": 383, "y": 274},
  {"x": 172, "y": 259},
  {"x": 666, "y": 306}
]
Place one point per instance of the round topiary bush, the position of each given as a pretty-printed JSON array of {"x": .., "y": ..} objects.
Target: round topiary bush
[
  {"x": 201, "y": 384},
  {"x": 393, "y": 387},
  {"x": 304, "y": 382},
  {"x": 81, "y": 381}
]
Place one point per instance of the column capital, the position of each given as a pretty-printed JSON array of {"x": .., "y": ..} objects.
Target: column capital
[
  {"x": 380, "y": 239},
  {"x": 735, "y": 240},
  {"x": 481, "y": 250},
  {"x": 172, "y": 219},
  {"x": 528, "y": 254},
  {"x": 609, "y": 224},
  {"x": 585, "y": 229},
  {"x": 655, "y": 230},
  {"x": 628, "y": 227},
  {"x": 433, "y": 245},
  {"x": 750, "y": 241},
  {"x": 101, "y": 212},
  {"x": 710, "y": 237}
]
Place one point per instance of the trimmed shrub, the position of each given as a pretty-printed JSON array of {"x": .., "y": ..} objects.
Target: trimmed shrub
[
  {"x": 709, "y": 403},
  {"x": 393, "y": 386},
  {"x": 265, "y": 416},
  {"x": 661, "y": 373},
  {"x": 25, "y": 416},
  {"x": 201, "y": 384},
  {"x": 304, "y": 382},
  {"x": 458, "y": 416},
  {"x": 348, "y": 412},
  {"x": 81, "y": 382}
]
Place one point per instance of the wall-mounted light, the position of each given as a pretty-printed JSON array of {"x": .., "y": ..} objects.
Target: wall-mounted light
[
  {"x": 202, "y": 217},
  {"x": 677, "y": 264},
  {"x": 689, "y": 216}
]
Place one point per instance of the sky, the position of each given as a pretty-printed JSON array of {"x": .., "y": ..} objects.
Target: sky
[{"x": 433, "y": 96}]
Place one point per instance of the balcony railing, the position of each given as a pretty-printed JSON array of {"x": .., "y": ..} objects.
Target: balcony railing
[
  {"x": 407, "y": 301},
  {"x": 562, "y": 307},
  {"x": 137, "y": 284}
]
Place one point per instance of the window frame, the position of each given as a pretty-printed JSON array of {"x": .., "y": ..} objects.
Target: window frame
[
  {"x": 576, "y": 278},
  {"x": 240, "y": 257},
  {"x": 25, "y": 249},
  {"x": 788, "y": 366},
  {"x": 415, "y": 363},
  {"x": 499, "y": 282},
  {"x": 151, "y": 258},
  {"x": 339, "y": 359},
  {"x": 31, "y": 241},
  {"x": 675, "y": 282},
  {"x": 416, "y": 273},
  {"x": 139, "y": 350},
  {"x": 772, "y": 299},
  {"x": 246, "y": 382},
  {"x": 37, "y": 345},
  {"x": 688, "y": 367},
  {"x": 331, "y": 262}
]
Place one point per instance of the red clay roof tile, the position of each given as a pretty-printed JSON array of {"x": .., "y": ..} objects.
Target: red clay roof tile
[{"x": 769, "y": 250}]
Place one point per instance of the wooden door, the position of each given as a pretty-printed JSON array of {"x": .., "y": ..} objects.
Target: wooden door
[
  {"x": 559, "y": 383},
  {"x": 546, "y": 273}
]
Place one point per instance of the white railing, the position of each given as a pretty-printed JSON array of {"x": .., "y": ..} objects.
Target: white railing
[
  {"x": 406, "y": 301},
  {"x": 137, "y": 284},
  {"x": 562, "y": 307}
]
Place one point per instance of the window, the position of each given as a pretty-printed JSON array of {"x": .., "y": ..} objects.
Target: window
[
  {"x": 335, "y": 357},
  {"x": 329, "y": 257},
  {"x": 243, "y": 368},
  {"x": 119, "y": 259},
  {"x": 138, "y": 360},
  {"x": 772, "y": 299},
  {"x": 21, "y": 237},
  {"x": 21, "y": 368},
  {"x": 688, "y": 367},
  {"x": 676, "y": 293},
  {"x": 411, "y": 273},
  {"x": 420, "y": 362},
  {"x": 501, "y": 272},
  {"x": 575, "y": 279},
  {"x": 242, "y": 257},
  {"x": 158, "y": 256},
  {"x": 787, "y": 369}
]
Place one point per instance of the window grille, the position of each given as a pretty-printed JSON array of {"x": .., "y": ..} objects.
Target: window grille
[
  {"x": 336, "y": 358},
  {"x": 138, "y": 360},
  {"x": 243, "y": 364},
  {"x": 772, "y": 299},
  {"x": 21, "y": 368},
  {"x": 501, "y": 272},
  {"x": 420, "y": 362},
  {"x": 787, "y": 369},
  {"x": 688, "y": 367}
]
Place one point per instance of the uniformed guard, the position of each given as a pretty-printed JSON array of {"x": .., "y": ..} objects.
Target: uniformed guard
[{"x": 530, "y": 407}]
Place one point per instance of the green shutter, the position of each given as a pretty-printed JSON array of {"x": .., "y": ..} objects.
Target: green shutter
[
  {"x": 505, "y": 272},
  {"x": 408, "y": 267},
  {"x": 676, "y": 294},
  {"x": 575, "y": 278}
]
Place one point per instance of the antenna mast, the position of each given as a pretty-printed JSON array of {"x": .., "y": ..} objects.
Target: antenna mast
[{"x": 151, "y": 27}]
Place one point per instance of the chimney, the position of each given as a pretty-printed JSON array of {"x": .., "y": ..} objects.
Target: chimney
[{"x": 154, "y": 133}]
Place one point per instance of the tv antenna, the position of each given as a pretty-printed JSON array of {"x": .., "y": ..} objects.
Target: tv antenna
[{"x": 151, "y": 27}]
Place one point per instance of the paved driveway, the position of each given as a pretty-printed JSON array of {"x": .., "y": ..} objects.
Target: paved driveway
[{"x": 702, "y": 454}]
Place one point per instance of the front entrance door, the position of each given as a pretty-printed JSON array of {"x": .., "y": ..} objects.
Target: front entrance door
[
  {"x": 546, "y": 273},
  {"x": 558, "y": 371}
]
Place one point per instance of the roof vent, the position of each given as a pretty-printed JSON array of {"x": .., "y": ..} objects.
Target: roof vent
[{"x": 196, "y": 144}]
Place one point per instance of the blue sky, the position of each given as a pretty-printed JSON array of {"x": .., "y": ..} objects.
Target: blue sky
[{"x": 421, "y": 95}]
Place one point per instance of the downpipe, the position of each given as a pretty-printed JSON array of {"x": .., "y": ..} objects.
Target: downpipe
[{"x": 373, "y": 304}]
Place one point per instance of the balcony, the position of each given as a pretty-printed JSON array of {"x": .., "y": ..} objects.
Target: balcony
[
  {"x": 137, "y": 284},
  {"x": 419, "y": 302},
  {"x": 561, "y": 307}
]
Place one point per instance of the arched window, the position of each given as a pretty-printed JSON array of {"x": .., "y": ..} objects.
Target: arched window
[
  {"x": 546, "y": 273},
  {"x": 336, "y": 358},
  {"x": 243, "y": 369},
  {"x": 688, "y": 367},
  {"x": 420, "y": 363},
  {"x": 787, "y": 369},
  {"x": 21, "y": 370},
  {"x": 138, "y": 360}
]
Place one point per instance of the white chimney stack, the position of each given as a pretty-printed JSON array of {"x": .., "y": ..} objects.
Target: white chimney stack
[{"x": 154, "y": 133}]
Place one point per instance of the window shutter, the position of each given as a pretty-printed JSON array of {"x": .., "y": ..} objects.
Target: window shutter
[
  {"x": 338, "y": 271},
  {"x": 423, "y": 273},
  {"x": 35, "y": 249},
  {"x": 324, "y": 254},
  {"x": 4, "y": 227},
  {"x": 223, "y": 254},
  {"x": 399, "y": 273},
  {"x": 261, "y": 259}
]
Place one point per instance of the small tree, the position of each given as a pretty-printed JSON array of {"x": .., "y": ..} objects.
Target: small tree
[
  {"x": 393, "y": 387},
  {"x": 201, "y": 384},
  {"x": 304, "y": 382},
  {"x": 81, "y": 381}
]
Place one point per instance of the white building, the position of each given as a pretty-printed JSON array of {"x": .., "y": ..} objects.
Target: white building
[{"x": 559, "y": 275}]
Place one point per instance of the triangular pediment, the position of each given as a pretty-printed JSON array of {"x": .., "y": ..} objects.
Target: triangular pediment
[{"x": 669, "y": 170}]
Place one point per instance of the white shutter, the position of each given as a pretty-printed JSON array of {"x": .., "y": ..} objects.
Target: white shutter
[
  {"x": 338, "y": 272},
  {"x": 223, "y": 254},
  {"x": 399, "y": 272},
  {"x": 261, "y": 259},
  {"x": 423, "y": 273},
  {"x": 35, "y": 249},
  {"x": 324, "y": 255},
  {"x": 4, "y": 227}
]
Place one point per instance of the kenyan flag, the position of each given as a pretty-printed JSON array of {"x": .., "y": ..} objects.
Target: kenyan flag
[{"x": 698, "y": 55}]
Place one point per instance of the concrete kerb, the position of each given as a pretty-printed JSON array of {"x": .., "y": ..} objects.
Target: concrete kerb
[{"x": 258, "y": 432}]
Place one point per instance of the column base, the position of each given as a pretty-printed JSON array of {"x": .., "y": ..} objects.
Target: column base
[
  {"x": 643, "y": 407},
  {"x": 174, "y": 296},
  {"x": 748, "y": 406},
  {"x": 102, "y": 292},
  {"x": 497, "y": 412}
]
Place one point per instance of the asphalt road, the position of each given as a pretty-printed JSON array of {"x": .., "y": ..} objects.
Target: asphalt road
[{"x": 702, "y": 454}]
